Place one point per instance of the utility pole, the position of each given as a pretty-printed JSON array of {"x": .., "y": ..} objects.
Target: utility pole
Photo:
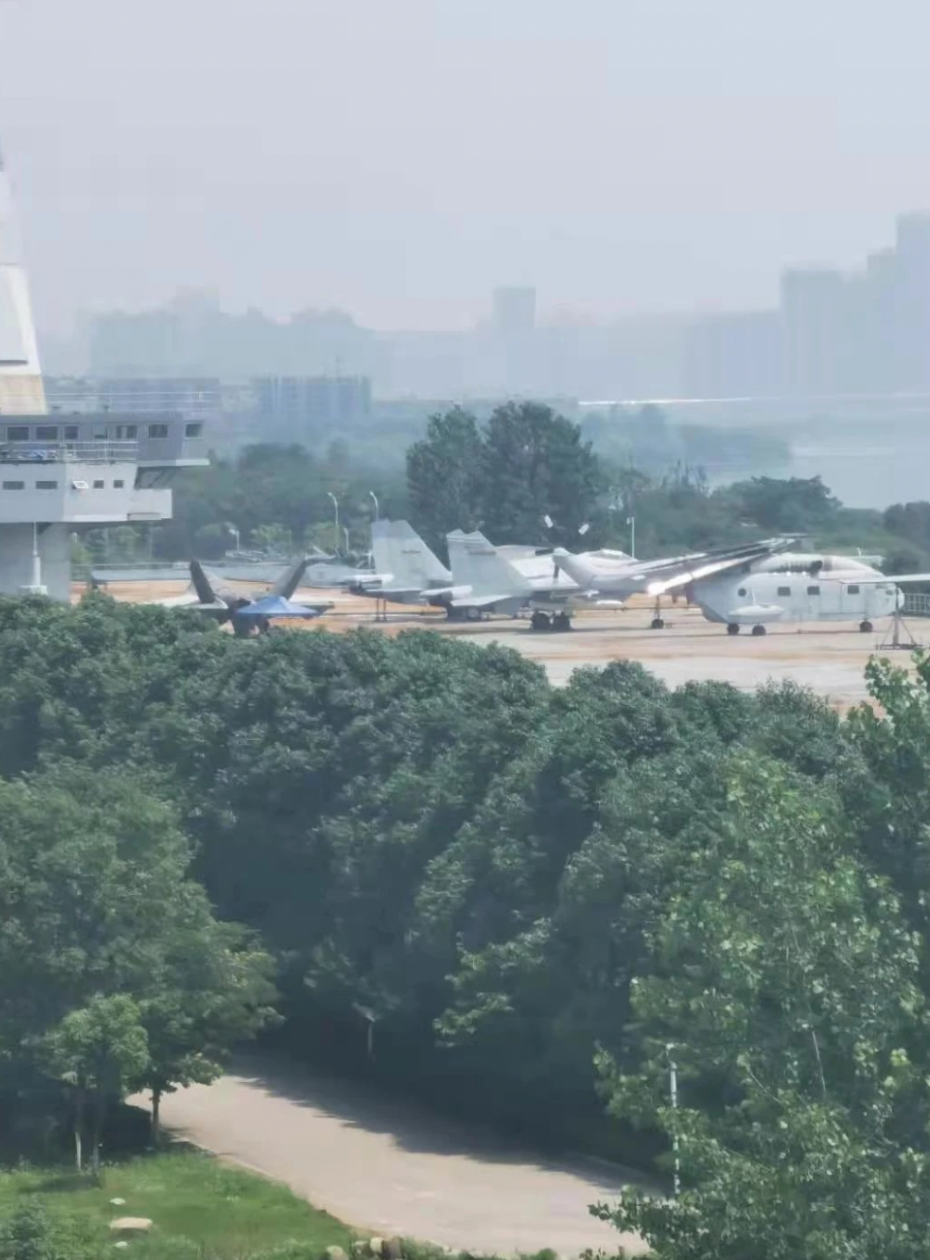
[
  {"x": 336, "y": 539},
  {"x": 374, "y": 499},
  {"x": 673, "y": 1096}
]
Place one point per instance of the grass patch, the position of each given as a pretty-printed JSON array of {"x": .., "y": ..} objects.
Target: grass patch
[{"x": 200, "y": 1209}]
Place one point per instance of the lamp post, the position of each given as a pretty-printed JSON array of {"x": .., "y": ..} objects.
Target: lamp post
[
  {"x": 330, "y": 495},
  {"x": 374, "y": 499},
  {"x": 345, "y": 531},
  {"x": 631, "y": 521},
  {"x": 673, "y": 1098}
]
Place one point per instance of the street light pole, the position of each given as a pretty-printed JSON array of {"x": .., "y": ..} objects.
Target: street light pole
[
  {"x": 673, "y": 1096},
  {"x": 330, "y": 495},
  {"x": 345, "y": 531},
  {"x": 374, "y": 499}
]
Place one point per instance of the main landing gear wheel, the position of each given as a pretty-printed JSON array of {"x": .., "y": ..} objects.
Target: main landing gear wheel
[
  {"x": 758, "y": 630},
  {"x": 540, "y": 621},
  {"x": 866, "y": 627},
  {"x": 657, "y": 624},
  {"x": 562, "y": 622},
  {"x": 733, "y": 628},
  {"x": 472, "y": 614}
]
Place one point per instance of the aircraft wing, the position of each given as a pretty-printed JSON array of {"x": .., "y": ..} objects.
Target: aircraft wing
[
  {"x": 317, "y": 605},
  {"x": 486, "y": 601},
  {"x": 710, "y": 568},
  {"x": 188, "y": 599}
]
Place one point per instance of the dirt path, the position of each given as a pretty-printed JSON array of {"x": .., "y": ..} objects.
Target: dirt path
[{"x": 393, "y": 1168}]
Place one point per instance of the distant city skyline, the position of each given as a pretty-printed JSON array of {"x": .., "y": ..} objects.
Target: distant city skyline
[
  {"x": 400, "y": 160},
  {"x": 860, "y": 331}
]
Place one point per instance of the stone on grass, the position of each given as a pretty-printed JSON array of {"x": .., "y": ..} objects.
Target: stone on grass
[
  {"x": 376, "y": 1246},
  {"x": 393, "y": 1249},
  {"x": 335, "y": 1253},
  {"x": 117, "y": 1203},
  {"x": 131, "y": 1225}
]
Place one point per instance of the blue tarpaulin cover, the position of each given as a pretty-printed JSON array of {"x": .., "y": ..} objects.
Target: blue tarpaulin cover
[{"x": 276, "y": 606}]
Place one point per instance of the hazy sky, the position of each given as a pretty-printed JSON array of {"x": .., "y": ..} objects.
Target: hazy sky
[{"x": 400, "y": 157}]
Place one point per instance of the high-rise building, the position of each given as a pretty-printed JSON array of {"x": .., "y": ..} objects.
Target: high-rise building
[
  {"x": 912, "y": 302},
  {"x": 815, "y": 330},
  {"x": 295, "y": 408},
  {"x": 514, "y": 309},
  {"x": 733, "y": 356},
  {"x": 20, "y": 374}
]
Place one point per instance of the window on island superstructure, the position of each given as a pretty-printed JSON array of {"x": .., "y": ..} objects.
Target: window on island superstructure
[
  {"x": 158, "y": 430},
  {"x": 18, "y": 433},
  {"x": 46, "y": 485},
  {"x": 14, "y": 485},
  {"x": 47, "y": 432}
]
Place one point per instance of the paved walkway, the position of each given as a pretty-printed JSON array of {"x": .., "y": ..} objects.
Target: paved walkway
[{"x": 394, "y": 1168}]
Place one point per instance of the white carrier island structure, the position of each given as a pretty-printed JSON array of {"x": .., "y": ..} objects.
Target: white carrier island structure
[{"x": 61, "y": 473}]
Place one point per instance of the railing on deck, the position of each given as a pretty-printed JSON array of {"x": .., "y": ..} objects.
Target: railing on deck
[
  {"x": 916, "y": 605},
  {"x": 100, "y": 451}
]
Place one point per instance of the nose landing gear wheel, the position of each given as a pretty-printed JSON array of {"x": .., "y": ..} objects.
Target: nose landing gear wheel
[
  {"x": 758, "y": 630},
  {"x": 866, "y": 627},
  {"x": 657, "y": 624},
  {"x": 733, "y": 628}
]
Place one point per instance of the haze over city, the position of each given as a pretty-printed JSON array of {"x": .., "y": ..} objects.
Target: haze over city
[{"x": 399, "y": 159}]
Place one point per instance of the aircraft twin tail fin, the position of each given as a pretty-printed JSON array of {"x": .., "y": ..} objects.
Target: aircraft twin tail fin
[{"x": 478, "y": 564}]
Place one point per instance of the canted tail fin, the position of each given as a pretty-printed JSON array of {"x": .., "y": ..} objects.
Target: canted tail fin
[
  {"x": 201, "y": 584},
  {"x": 289, "y": 580}
]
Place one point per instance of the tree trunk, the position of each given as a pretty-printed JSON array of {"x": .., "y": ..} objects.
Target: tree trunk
[
  {"x": 97, "y": 1134},
  {"x": 156, "y": 1116},
  {"x": 78, "y": 1126}
]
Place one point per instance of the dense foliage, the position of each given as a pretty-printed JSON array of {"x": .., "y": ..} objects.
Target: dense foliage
[
  {"x": 486, "y": 882},
  {"x": 504, "y": 474}
]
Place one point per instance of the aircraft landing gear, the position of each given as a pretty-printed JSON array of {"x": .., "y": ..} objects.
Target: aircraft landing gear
[
  {"x": 557, "y": 622},
  {"x": 866, "y": 626},
  {"x": 733, "y": 627},
  {"x": 758, "y": 630},
  {"x": 657, "y": 622}
]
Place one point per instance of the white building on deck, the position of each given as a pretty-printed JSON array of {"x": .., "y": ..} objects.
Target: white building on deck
[{"x": 61, "y": 472}]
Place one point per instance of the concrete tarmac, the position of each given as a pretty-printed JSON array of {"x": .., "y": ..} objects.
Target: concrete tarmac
[
  {"x": 830, "y": 658},
  {"x": 387, "y": 1166}
]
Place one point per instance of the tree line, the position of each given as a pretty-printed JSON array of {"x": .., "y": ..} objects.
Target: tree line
[
  {"x": 506, "y": 474},
  {"x": 520, "y": 899}
]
